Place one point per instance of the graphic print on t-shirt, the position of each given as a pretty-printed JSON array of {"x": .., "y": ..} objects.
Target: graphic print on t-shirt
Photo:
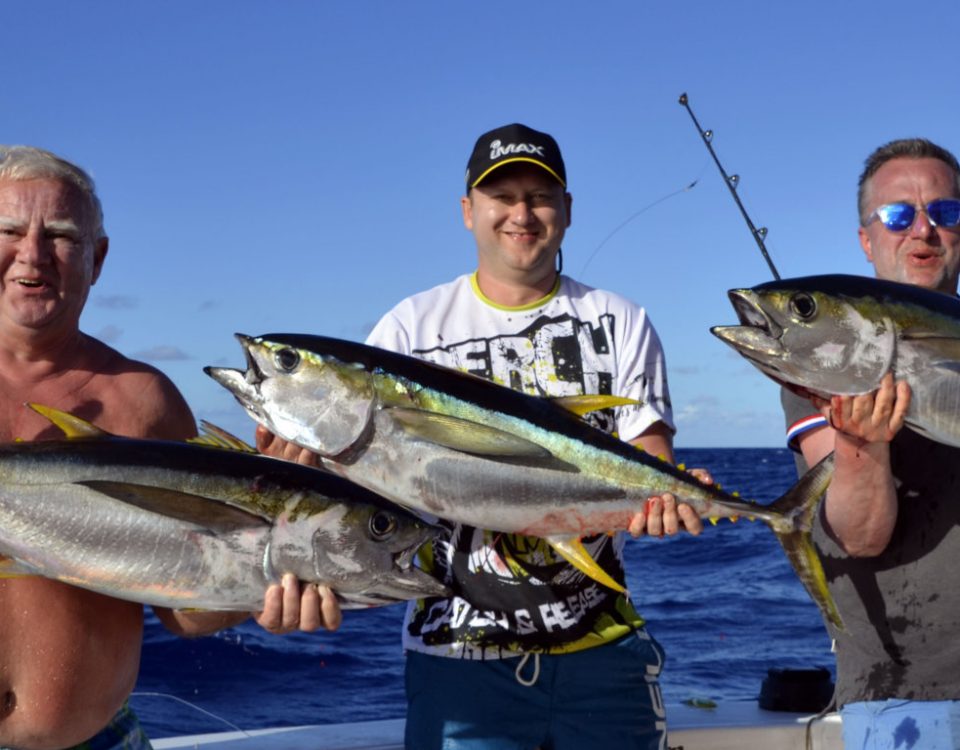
[
  {"x": 512, "y": 592},
  {"x": 558, "y": 356}
]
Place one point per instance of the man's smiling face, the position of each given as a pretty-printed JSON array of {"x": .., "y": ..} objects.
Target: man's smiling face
[
  {"x": 518, "y": 217},
  {"x": 49, "y": 258}
]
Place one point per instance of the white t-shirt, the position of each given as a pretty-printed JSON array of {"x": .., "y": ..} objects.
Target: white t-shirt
[{"x": 517, "y": 594}]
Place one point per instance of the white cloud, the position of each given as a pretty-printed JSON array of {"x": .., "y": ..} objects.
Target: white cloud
[
  {"x": 110, "y": 334},
  {"x": 162, "y": 353},
  {"x": 115, "y": 301}
]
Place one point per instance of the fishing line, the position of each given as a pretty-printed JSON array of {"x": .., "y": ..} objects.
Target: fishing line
[
  {"x": 635, "y": 215},
  {"x": 138, "y": 694},
  {"x": 731, "y": 182}
]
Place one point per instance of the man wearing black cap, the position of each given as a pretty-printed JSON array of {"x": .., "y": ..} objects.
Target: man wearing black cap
[{"x": 529, "y": 652}]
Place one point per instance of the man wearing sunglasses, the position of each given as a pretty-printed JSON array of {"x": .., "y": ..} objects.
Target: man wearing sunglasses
[{"x": 889, "y": 527}]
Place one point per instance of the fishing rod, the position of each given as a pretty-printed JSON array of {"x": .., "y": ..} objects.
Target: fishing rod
[{"x": 732, "y": 181}]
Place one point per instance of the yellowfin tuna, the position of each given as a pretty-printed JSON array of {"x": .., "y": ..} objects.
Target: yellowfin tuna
[
  {"x": 189, "y": 526},
  {"x": 477, "y": 453}
]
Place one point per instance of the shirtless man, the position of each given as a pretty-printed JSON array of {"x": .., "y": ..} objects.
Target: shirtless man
[{"x": 69, "y": 657}]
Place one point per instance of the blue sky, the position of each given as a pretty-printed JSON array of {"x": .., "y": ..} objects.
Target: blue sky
[{"x": 297, "y": 166}]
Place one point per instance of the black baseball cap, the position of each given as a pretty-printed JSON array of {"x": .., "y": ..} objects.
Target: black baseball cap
[{"x": 511, "y": 144}]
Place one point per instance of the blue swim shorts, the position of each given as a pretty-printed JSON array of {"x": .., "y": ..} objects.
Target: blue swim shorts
[
  {"x": 122, "y": 733},
  {"x": 901, "y": 725},
  {"x": 599, "y": 698}
]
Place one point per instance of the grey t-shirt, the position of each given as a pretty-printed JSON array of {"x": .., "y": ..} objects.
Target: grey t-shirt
[{"x": 901, "y": 609}]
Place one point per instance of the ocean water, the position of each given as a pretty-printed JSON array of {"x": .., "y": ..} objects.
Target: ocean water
[{"x": 726, "y": 606}]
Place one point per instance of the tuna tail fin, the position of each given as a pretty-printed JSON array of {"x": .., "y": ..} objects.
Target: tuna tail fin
[{"x": 797, "y": 508}]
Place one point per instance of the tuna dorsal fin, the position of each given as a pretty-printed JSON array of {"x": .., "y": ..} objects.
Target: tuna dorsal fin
[
  {"x": 203, "y": 512},
  {"x": 572, "y": 550},
  {"x": 589, "y": 402},
  {"x": 217, "y": 437},
  {"x": 71, "y": 426},
  {"x": 464, "y": 435}
]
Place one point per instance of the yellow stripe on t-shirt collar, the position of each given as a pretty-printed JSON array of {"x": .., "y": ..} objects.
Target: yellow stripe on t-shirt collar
[{"x": 529, "y": 306}]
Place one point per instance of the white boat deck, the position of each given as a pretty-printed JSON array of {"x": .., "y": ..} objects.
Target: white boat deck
[{"x": 729, "y": 726}]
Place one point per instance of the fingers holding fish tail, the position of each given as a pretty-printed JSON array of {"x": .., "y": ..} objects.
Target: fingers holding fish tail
[
  {"x": 649, "y": 521},
  {"x": 689, "y": 518},
  {"x": 677, "y": 516},
  {"x": 654, "y": 508},
  {"x": 663, "y": 516},
  {"x": 638, "y": 524}
]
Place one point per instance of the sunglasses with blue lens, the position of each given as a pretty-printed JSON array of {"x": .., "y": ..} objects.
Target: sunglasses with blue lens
[{"x": 898, "y": 217}]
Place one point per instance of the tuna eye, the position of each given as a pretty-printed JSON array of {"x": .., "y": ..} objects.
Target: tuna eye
[
  {"x": 287, "y": 359},
  {"x": 382, "y": 525},
  {"x": 803, "y": 305}
]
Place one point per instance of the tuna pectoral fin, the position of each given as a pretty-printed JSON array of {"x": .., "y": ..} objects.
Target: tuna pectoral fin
[
  {"x": 587, "y": 403},
  {"x": 798, "y": 508},
  {"x": 207, "y": 514},
  {"x": 573, "y": 551},
  {"x": 464, "y": 435}
]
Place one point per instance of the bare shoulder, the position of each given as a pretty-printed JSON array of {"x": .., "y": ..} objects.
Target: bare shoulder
[{"x": 137, "y": 399}]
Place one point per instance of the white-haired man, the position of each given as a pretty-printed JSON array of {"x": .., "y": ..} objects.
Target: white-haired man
[{"x": 69, "y": 657}]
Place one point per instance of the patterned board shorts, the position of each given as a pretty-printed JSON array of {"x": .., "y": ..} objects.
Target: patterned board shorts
[{"x": 122, "y": 733}]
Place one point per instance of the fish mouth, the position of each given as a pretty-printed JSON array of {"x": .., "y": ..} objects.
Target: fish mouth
[
  {"x": 758, "y": 338},
  {"x": 405, "y": 581},
  {"x": 243, "y": 384},
  {"x": 412, "y": 579},
  {"x": 750, "y": 312}
]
